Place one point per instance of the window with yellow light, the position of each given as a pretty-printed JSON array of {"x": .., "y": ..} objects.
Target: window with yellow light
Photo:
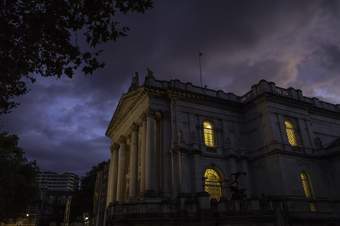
[
  {"x": 213, "y": 184},
  {"x": 291, "y": 133},
  {"x": 208, "y": 134},
  {"x": 308, "y": 190}
]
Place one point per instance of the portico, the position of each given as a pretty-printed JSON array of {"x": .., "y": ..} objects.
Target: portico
[{"x": 133, "y": 168}]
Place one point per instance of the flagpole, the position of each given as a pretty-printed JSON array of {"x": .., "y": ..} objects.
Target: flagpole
[{"x": 200, "y": 64}]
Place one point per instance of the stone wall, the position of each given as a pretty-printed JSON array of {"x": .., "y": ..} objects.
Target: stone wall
[{"x": 195, "y": 209}]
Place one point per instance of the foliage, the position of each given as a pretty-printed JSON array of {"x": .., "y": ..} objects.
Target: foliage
[
  {"x": 41, "y": 37},
  {"x": 17, "y": 178},
  {"x": 82, "y": 201}
]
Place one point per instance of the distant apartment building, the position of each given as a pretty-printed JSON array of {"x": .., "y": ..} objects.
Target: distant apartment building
[
  {"x": 56, "y": 192},
  {"x": 52, "y": 181}
]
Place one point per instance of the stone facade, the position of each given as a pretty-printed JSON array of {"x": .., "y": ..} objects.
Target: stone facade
[{"x": 159, "y": 156}]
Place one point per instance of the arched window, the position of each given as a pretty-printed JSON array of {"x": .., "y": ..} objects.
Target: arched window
[
  {"x": 213, "y": 183},
  {"x": 208, "y": 133},
  {"x": 291, "y": 133},
  {"x": 307, "y": 189}
]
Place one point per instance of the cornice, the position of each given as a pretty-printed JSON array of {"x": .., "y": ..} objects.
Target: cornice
[
  {"x": 178, "y": 89},
  {"x": 297, "y": 154},
  {"x": 264, "y": 152},
  {"x": 195, "y": 98}
]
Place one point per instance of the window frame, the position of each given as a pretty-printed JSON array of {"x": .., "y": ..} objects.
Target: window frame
[
  {"x": 295, "y": 131},
  {"x": 308, "y": 190},
  {"x": 218, "y": 183},
  {"x": 212, "y": 134}
]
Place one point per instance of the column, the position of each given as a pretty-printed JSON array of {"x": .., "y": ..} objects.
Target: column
[
  {"x": 280, "y": 128},
  {"x": 267, "y": 128},
  {"x": 150, "y": 153},
  {"x": 283, "y": 132},
  {"x": 114, "y": 159},
  {"x": 245, "y": 178},
  {"x": 121, "y": 169},
  {"x": 303, "y": 134},
  {"x": 110, "y": 184},
  {"x": 198, "y": 187},
  {"x": 142, "y": 159},
  {"x": 166, "y": 154},
  {"x": 133, "y": 161},
  {"x": 311, "y": 135},
  {"x": 158, "y": 160},
  {"x": 233, "y": 165}
]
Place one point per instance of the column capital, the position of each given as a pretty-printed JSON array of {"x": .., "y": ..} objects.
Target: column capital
[
  {"x": 154, "y": 114},
  {"x": 165, "y": 114},
  {"x": 142, "y": 118},
  {"x": 158, "y": 115},
  {"x": 151, "y": 113},
  {"x": 134, "y": 127},
  {"x": 114, "y": 147},
  {"x": 122, "y": 140}
]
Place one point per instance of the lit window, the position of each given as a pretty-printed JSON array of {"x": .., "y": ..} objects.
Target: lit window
[
  {"x": 291, "y": 133},
  {"x": 208, "y": 132},
  {"x": 213, "y": 184},
  {"x": 307, "y": 189}
]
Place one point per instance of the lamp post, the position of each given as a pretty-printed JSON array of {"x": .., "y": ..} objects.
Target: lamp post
[{"x": 86, "y": 219}]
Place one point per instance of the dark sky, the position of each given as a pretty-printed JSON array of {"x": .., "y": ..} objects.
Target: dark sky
[{"x": 296, "y": 43}]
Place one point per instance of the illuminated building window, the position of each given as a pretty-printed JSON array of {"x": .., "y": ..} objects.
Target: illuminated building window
[
  {"x": 213, "y": 184},
  {"x": 208, "y": 132},
  {"x": 307, "y": 189},
  {"x": 291, "y": 133}
]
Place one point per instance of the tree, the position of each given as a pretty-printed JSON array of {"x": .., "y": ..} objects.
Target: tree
[
  {"x": 40, "y": 37},
  {"x": 82, "y": 201},
  {"x": 17, "y": 178}
]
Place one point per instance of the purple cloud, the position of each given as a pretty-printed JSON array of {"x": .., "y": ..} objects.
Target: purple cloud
[{"x": 293, "y": 43}]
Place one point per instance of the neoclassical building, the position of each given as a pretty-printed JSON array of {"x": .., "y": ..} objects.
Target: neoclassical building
[{"x": 182, "y": 154}]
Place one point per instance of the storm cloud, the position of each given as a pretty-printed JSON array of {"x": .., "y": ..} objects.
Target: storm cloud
[{"x": 62, "y": 122}]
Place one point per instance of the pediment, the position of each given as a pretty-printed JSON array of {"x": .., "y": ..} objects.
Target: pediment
[{"x": 125, "y": 105}]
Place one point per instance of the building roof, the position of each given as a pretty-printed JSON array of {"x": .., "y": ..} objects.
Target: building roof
[{"x": 262, "y": 87}]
